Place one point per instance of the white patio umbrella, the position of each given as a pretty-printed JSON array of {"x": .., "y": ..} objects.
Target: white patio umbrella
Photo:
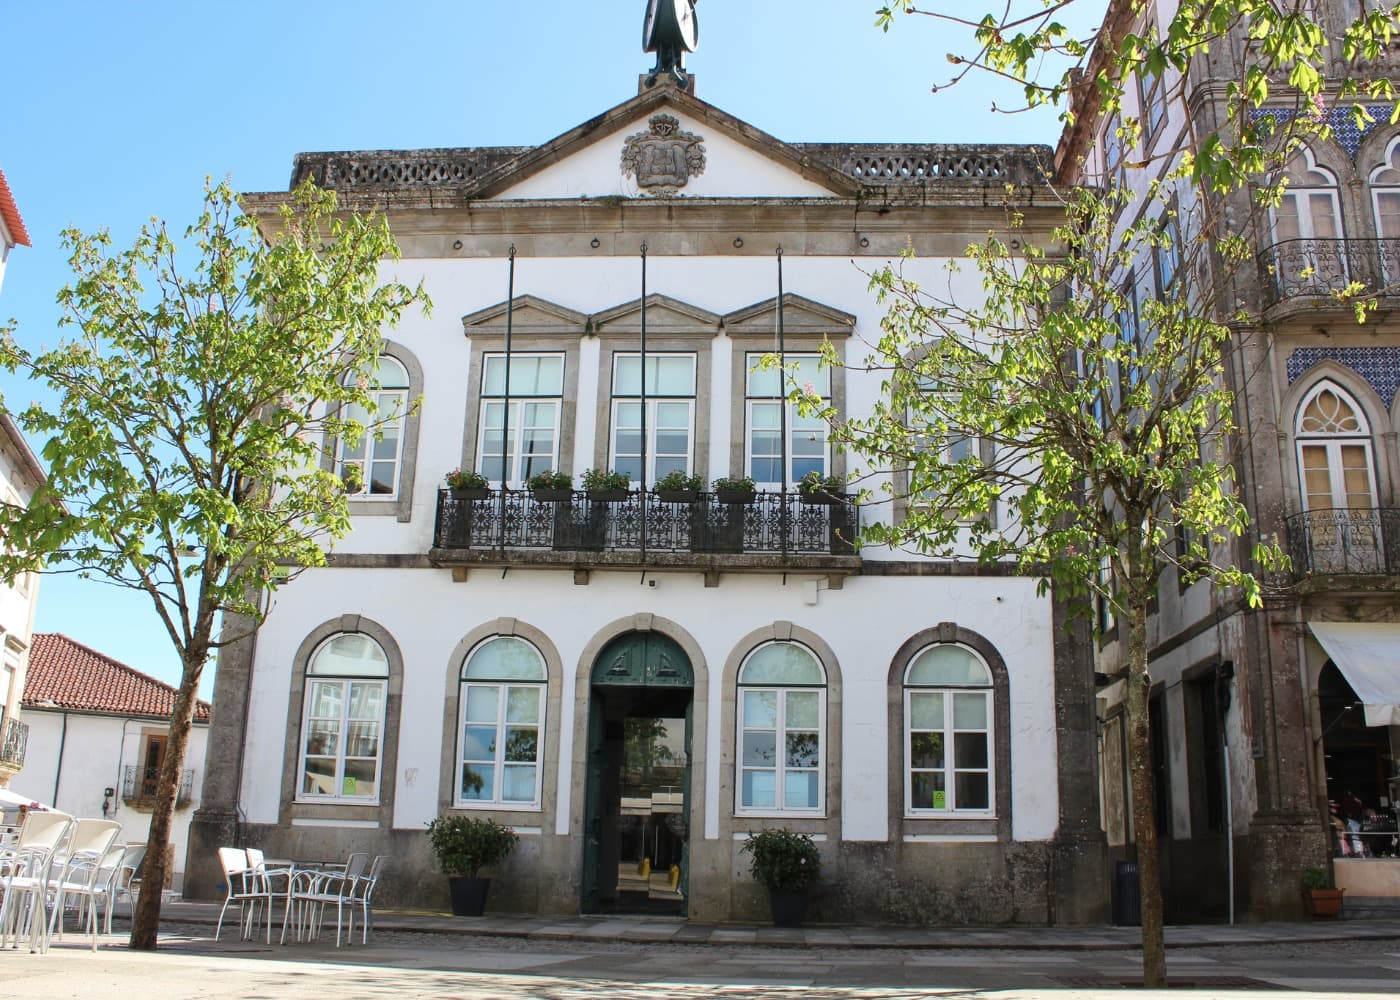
[{"x": 9, "y": 799}]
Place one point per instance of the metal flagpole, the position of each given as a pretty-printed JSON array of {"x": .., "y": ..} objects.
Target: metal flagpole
[
  {"x": 642, "y": 495},
  {"x": 505, "y": 406},
  {"x": 782, "y": 405}
]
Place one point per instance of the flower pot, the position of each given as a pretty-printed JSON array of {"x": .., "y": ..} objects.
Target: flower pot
[
  {"x": 736, "y": 496},
  {"x": 552, "y": 496},
  {"x": 822, "y": 497},
  {"x": 677, "y": 496},
  {"x": 607, "y": 496},
  {"x": 788, "y": 906},
  {"x": 468, "y": 895},
  {"x": 471, "y": 492},
  {"x": 1323, "y": 903}
]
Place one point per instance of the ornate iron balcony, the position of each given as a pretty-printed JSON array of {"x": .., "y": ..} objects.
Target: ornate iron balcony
[
  {"x": 139, "y": 785},
  {"x": 577, "y": 521},
  {"x": 1341, "y": 541},
  {"x": 14, "y": 743},
  {"x": 1318, "y": 267}
]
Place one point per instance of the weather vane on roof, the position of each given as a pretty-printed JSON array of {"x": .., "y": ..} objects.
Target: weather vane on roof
[{"x": 670, "y": 30}]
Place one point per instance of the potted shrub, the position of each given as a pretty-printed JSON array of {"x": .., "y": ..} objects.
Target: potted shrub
[
  {"x": 464, "y": 845},
  {"x": 467, "y": 485},
  {"x": 786, "y": 864},
  {"x": 1323, "y": 899},
  {"x": 816, "y": 488},
  {"x": 551, "y": 486},
  {"x": 734, "y": 489},
  {"x": 677, "y": 487},
  {"x": 606, "y": 487}
]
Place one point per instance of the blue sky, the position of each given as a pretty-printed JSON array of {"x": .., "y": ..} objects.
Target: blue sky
[{"x": 117, "y": 112}]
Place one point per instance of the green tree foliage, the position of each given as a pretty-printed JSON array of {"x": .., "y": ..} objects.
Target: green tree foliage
[{"x": 192, "y": 411}]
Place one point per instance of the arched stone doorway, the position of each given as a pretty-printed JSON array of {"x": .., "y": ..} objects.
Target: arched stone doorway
[{"x": 636, "y": 853}]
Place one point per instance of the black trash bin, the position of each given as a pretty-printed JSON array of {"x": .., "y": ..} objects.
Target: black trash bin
[{"x": 1127, "y": 894}]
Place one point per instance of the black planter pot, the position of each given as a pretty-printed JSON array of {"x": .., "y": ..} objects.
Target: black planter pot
[
  {"x": 735, "y": 496},
  {"x": 822, "y": 498},
  {"x": 788, "y": 906},
  {"x": 470, "y": 493},
  {"x": 677, "y": 496},
  {"x": 468, "y": 895},
  {"x": 544, "y": 495},
  {"x": 607, "y": 496}
]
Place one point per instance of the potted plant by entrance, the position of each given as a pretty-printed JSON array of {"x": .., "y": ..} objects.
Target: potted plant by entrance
[
  {"x": 677, "y": 487},
  {"x": 786, "y": 863},
  {"x": 467, "y": 485},
  {"x": 815, "y": 488},
  {"x": 735, "y": 489},
  {"x": 464, "y": 845},
  {"x": 606, "y": 487},
  {"x": 551, "y": 486},
  {"x": 1323, "y": 899}
]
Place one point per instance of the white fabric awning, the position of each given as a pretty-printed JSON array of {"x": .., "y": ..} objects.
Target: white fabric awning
[{"x": 1368, "y": 655}]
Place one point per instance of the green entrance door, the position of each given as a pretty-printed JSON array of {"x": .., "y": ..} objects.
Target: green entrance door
[{"x": 637, "y": 803}]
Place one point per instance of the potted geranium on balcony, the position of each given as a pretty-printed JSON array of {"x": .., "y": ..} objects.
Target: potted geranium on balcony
[
  {"x": 467, "y": 485},
  {"x": 606, "y": 487},
  {"x": 551, "y": 486},
  {"x": 464, "y": 845},
  {"x": 735, "y": 489},
  {"x": 814, "y": 488},
  {"x": 786, "y": 864},
  {"x": 677, "y": 487}
]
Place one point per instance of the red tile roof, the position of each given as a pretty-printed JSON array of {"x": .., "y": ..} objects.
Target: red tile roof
[
  {"x": 9, "y": 211},
  {"x": 68, "y": 675}
]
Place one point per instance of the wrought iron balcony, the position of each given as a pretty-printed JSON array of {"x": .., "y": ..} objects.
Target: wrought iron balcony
[
  {"x": 139, "y": 785},
  {"x": 1315, "y": 268},
  {"x": 14, "y": 744},
  {"x": 1341, "y": 541},
  {"x": 645, "y": 524}
]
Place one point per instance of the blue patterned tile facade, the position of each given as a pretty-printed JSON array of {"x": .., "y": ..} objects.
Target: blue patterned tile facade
[
  {"x": 1340, "y": 119},
  {"x": 1379, "y": 366}
]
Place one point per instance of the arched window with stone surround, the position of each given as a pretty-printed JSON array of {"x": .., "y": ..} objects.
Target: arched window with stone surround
[
  {"x": 500, "y": 748},
  {"x": 1334, "y": 451},
  {"x": 343, "y": 723},
  {"x": 1385, "y": 202},
  {"x": 781, "y": 732},
  {"x": 1307, "y": 232},
  {"x": 948, "y": 733}
]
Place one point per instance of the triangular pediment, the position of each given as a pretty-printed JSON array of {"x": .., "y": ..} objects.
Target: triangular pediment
[
  {"x": 665, "y": 316},
  {"x": 739, "y": 159},
  {"x": 801, "y": 317},
  {"x": 531, "y": 315}
]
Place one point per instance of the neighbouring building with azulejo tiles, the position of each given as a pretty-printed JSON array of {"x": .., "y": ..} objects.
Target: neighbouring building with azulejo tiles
[{"x": 637, "y": 680}]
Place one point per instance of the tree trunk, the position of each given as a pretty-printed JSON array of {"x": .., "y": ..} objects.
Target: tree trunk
[
  {"x": 1144, "y": 805},
  {"x": 145, "y": 924}
]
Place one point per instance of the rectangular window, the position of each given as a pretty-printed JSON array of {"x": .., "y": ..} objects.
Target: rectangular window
[
  {"x": 501, "y": 730},
  {"x": 670, "y": 390},
  {"x": 341, "y": 754},
  {"x": 780, "y": 749},
  {"x": 1152, "y": 98},
  {"x": 1168, "y": 256},
  {"x": 948, "y": 748},
  {"x": 523, "y": 437},
  {"x": 765, "y": 393},
  {"x": 1111, "y": 148}
]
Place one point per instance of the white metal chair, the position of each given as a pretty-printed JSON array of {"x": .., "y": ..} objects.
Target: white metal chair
[
  {"x": 311, "y": 892},
  {"x": 82, "y": 876},
  {"x": 245, "y": 886},
  {"x": 23, "y": 911},
  {"x": 122, "y": 881},
  {"x": 361, "y": 895}
]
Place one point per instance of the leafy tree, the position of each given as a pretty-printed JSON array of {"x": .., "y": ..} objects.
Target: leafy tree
[{"x": 192, "y": 411}]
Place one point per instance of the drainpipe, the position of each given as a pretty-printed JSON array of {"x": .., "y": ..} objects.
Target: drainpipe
[{"x": 58, "y": 771}]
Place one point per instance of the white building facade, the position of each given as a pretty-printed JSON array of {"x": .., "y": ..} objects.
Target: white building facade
[{"x": 637, "y": 677}]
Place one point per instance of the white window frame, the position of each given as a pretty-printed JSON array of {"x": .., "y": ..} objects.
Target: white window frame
[
  {"x": 393, "y": 400},
  {"x": 780, "y": 768},
  {"x": 512, "y": 468},
  {"x": 1334, "y": 443},
  {"x": 750, "y": 360},
  {"x": 950, "y": 769},
  {"x": 343, "y": 681},
  {"x": 654, "y": 400},
  {"x": 503, "y": 688}
]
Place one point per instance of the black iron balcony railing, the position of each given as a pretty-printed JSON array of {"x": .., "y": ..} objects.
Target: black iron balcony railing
[
  {"x": 139, "y": 784},
  {"x": 14, "y": 743},
  {"x": 1341, "y": 541},
  {"x": 767, "y": 523},
  {"x": 1318, "y": 267}
]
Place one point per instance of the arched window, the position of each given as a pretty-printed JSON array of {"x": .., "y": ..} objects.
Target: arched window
[
  {"x": 1385, "y": 200},
  {"x": 370, "y": 468},
  {"x": 1334, "y": 451},
  {"x": 342, "y": 732},
  {"x": 782, "y": 731},
  {"x": 500, "y": 751},
  {"x": 948, "y": 746},
  {"x": 1307, "y": 230}
]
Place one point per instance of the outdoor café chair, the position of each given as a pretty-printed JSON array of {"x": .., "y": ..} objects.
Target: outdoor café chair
[
  {"x": 122, "y": 881},
  {"x": 312, "y": 891},
  {"x": 361, "y": 895},
  {"x": 82, "y": 875},
  {"x": 246, "y": 886},
  {"x": 23, "y": 911}
]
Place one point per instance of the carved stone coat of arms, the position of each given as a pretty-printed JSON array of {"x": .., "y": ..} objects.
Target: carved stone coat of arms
[{"x": 664, "y": 158}]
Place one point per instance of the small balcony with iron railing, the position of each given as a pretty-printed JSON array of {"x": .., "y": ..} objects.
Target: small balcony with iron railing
[
  {"x": 1307, "y": 273},
  {"x": 1345, "y": 542},
  {"x": 704, "y": 531},
  {"x": 139, "y": 786},
  {"x": 13, "y": 744}
]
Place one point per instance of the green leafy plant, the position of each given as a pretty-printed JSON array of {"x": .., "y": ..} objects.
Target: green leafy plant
[
  {"x": 734, "y": 484},
  {"x": 678, "y": 480},
  {"x": 551, "y": 479},
  {"x": 1316, "y": 878},
  {"x": 782, "y": 859},
  {"x": 815, "y": 482},
  {"x": 466, "y": 844},
  {"x": 463, "y": 479},
  {"x": 600, "y": 479}
]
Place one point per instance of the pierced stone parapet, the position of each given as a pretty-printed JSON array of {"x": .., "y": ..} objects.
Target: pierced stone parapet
[{"x": 399, "y": 170}]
